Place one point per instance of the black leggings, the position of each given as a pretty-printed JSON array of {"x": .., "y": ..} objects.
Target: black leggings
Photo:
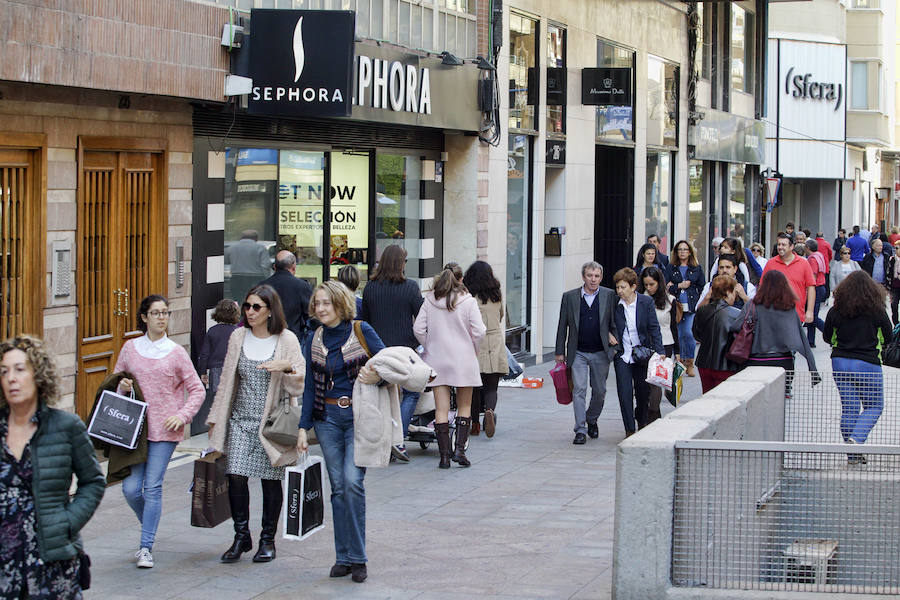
[{"x": 485, "y": 396}]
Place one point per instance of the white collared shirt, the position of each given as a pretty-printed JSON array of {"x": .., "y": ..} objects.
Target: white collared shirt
[
  {"x": 630, "y": 337},
  {"x": 155, "y": 350},
  {"x": 589, "y": 298}
]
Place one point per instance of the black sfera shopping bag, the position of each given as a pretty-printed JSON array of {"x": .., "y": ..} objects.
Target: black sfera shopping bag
[{"x": 304, "y": 500}]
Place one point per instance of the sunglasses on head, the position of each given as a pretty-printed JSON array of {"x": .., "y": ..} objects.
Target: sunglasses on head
[{"x": 256, "y": 307}]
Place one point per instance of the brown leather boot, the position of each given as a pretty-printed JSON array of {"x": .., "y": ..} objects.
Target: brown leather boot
[
  {"x": 475, "y": 428},
  {"x": 442, "y": 432},
  {"x": 689, "y": 367},
  {"x": 462, "y": 436}
]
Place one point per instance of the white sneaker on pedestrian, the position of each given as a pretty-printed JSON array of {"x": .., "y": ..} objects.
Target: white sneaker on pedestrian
[{"x": 144, "y": 558}]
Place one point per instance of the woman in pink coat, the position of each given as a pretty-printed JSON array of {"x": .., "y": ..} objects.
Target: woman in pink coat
[{"x": 449, "y": 327}]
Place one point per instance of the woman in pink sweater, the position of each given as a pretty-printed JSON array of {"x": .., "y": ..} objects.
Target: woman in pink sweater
[
  {"x": 450, "y": 328},
  {"x": 164, "y": 372}
]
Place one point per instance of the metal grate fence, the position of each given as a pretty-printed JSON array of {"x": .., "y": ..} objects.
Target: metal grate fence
[
  {"x": 745, "y": 518},
  {"x": 842, "y": 405}
]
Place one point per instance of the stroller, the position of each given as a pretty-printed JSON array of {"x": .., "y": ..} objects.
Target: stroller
[{"x": 421, "y": 427}]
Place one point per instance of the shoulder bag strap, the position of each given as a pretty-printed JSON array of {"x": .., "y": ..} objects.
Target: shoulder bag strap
[{"x": 357, "y": 329}]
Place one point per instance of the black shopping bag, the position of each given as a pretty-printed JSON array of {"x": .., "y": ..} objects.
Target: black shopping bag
[
  {"x": 304, "y": 502},
  {"x": 209, "y": 503}
]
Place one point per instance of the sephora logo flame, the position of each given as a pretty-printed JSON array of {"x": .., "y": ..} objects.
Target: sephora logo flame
[{"x": 299, "y": 54}]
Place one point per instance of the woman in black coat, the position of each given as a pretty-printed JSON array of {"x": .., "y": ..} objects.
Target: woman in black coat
[
  {"x": 712, "y": 329},
  {"x": 636, "y": 325},
  {"x": 686, "y": 280}
]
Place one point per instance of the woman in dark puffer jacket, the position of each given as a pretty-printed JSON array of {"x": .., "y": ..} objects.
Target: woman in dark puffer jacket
[{"x": 40, "y": 449}]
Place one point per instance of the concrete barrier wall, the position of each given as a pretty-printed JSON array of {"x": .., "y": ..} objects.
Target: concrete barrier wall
[{"x": 748, "y": 406}]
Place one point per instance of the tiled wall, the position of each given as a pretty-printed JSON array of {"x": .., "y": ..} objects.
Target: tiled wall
[{"x": 165, "y": 47}]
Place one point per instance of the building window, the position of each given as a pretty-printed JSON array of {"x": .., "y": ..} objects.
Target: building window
[
  {"x": 400, "y": 209},
  {"x": 704, "y": 39},
  {"x": 697, "y": 211},
  {"x": 523, "y": 81},
  {"x": 615, "y": 123},
  {"x": 865, "y": 80},
  {"x": 517, "y": 227},
  {"x": 742, "y": 44},
  {"x": 866, "y": 4},
  {"x": 738, "y": 211},
  {"x": 659, "y": 196},
  {"x": 662, "y": 103},
  {"x": 556, "y": 79},
  {"x": 433, "y": 25}
]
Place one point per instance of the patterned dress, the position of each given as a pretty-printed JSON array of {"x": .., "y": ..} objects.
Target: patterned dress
[
  {"x": 245, "y": 453},
  {"x": 22, "y": 572}
]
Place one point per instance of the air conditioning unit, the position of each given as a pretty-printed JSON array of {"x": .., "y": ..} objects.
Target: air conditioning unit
[{"x": 810, "y": 561}]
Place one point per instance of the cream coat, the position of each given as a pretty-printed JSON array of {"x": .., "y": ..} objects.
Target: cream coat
[
  {"x": 492, "y": 351},
  {"x": 287, "y": 348},
  {"x": 376, "y": 409}
]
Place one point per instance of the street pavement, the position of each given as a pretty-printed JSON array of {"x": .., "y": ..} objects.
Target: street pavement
[{"x": 532, "y": 518}]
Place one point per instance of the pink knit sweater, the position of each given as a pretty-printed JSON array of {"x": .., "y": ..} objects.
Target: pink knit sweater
[{"x": 163, "y": 382}]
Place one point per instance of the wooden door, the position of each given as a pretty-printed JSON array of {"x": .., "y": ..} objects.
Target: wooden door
[
  {"x": 21, "y": 285},
  {"x": 121, "y": 255}
]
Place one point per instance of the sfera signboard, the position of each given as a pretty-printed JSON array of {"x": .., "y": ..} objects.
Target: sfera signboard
[{"x": 301, "y": 62}]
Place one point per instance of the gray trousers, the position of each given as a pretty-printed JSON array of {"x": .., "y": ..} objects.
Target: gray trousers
[{"x": 596, "y": 366}]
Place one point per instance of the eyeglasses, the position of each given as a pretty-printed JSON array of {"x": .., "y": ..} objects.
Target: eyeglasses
[
  {"x": 845, "y": 253},
  {"x": 160, "y": 314},
  {"x": 256, "y": 307}
]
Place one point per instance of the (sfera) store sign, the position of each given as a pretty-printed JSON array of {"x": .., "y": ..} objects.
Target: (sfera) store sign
[
  {"x": 301, "y": 62},
  {"x": 805, "y": 86}
]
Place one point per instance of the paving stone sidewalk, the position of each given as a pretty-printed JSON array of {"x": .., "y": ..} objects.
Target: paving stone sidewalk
[{"x": 532, "y": 518}]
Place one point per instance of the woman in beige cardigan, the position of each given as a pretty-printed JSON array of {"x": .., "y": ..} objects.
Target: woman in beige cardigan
[
  {"x": 262, "y": 364},
  {"x": 492, "y": 361}
]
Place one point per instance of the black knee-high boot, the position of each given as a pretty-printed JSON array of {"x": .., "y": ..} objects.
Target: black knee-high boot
[
  {"x": 239, "y": 499},
  {"x": 442, "y": 433},
  {"x": 462, "y": 436},
  {"x": 271, "y": 509}
]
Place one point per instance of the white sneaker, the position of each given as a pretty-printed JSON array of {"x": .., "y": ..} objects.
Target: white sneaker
[{"x": 144, "y": 559}]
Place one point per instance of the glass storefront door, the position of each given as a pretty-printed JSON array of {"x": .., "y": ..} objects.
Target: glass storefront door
[
  {"x": 315, "y": 204},
  {"x": 517, "y": 231}
]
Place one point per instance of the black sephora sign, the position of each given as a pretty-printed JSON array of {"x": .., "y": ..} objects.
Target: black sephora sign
[
  {"x": 606, "y": 86},
  {"x": 301, "y": 62}
]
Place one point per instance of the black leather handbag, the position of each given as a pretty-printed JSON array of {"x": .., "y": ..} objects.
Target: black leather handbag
[{"x": 641, "y": 354}]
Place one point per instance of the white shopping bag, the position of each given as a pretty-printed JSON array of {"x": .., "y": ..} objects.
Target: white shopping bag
[
  {"x": 660, "y": 370},
  {"x": 303, "y": 512}
]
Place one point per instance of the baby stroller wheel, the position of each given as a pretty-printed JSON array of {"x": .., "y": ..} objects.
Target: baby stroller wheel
[{"x": 423, "y": 445}]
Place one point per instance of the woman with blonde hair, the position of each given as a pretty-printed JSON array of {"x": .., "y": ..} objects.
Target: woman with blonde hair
[
  {"x": 263, "y": 363},
  {"x": 335, "y": 359},
  {"x": 450, "y": 328},
  {"x": 41, "y": 448}
]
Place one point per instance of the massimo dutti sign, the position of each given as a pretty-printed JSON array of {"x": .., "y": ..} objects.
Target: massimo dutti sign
[
  {"x": 606, "y": 86},
  {"x": 301, "y": 62}
]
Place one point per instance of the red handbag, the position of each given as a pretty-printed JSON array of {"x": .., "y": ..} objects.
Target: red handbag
[
  {"x": 739, "y": 352},
  {"x": 561, "y": 381}
]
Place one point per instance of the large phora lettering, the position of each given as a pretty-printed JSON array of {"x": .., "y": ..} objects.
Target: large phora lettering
[{"x": 395, "y": 86}]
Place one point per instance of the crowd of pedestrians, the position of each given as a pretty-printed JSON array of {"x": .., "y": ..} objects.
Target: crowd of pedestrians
[{"x": 289, "y": 345}]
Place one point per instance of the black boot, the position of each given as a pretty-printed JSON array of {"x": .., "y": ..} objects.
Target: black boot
[
  {"x": 442, "y": 432},
  {"x": 239, "y": 499},
  {"x": 272, "y": 497},
  {"x": 462, "y": 436}
]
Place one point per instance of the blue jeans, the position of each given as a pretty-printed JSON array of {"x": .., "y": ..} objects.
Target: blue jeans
[
  {"x": 860, "y": 385},
  {"x": 407, "y": 407},
  {"x": 686, "y": 343},
  {"x": 348, "y": 492},
  {"x": 143, "y": 489},
  {"x": 817, "y": 322}
]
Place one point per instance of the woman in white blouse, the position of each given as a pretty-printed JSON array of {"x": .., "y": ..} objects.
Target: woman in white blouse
[
  {"x": 668, "y": 314},
  {"x": 843, "y": 267}
]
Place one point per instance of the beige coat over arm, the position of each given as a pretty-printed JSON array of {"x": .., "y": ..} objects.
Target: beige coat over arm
[
  {"x": 286, "y": 348},
  {"x": 492, "y": 351}
]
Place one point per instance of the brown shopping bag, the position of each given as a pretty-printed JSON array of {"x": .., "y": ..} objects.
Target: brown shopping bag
[{"x": 209, "y": 504}]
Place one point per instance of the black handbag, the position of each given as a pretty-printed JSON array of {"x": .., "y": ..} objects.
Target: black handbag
[
  {"x": 890, "y": 354},
  {"x": 641, "y": 354},
  {"x": 84, "y": 570}
]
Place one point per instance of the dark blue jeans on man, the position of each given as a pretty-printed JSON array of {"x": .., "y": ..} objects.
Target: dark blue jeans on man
[{"x": 348, "y": 492}]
